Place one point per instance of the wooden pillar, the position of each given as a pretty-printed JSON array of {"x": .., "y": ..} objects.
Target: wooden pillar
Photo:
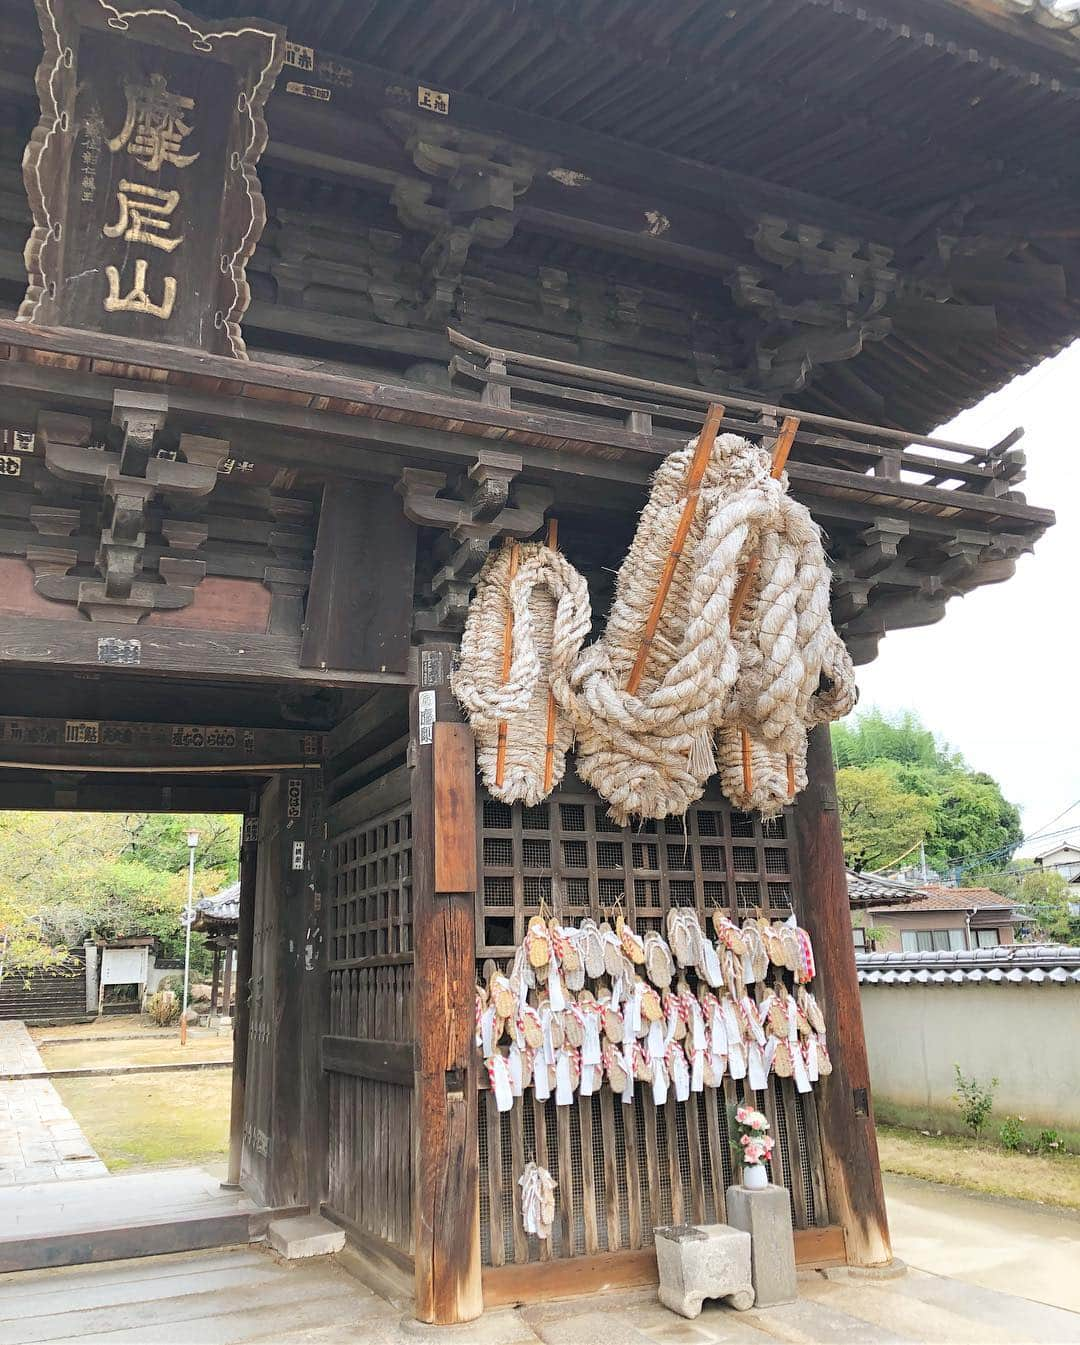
[
  {"x": 227, "y": 977},
  {"x": 215, "y": 981},
  {"x": 447, "y": 1192},
  {"x": 249, "y": 846},
  {"x": 848, "y": 1140}
]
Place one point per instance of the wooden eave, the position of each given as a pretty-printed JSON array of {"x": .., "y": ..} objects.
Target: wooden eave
[{"x": 303, "y": 409}]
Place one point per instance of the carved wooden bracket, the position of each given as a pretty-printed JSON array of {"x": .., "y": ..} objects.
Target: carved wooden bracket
[
  {"x": 484, "y": 512},
  {"x": 129, "y": 475},
  {"x": 483, "y": 176}
]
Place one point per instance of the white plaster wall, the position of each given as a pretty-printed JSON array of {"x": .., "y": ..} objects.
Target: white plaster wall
[{"x": 1026, "y": 1034}]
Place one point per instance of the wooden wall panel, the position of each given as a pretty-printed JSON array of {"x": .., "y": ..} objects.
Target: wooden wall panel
[{"x": 360, "y": 603}]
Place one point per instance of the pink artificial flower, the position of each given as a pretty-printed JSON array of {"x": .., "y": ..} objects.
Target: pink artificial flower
[
  {"x": 741, "y": 1115},
  {"x": 759, "y": 1122},
  {"x": 744, "y": 1140},
  {"x": 753, "y": 1153}
]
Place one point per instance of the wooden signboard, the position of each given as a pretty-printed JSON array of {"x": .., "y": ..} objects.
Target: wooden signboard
[{"x": 141, "y": 171}]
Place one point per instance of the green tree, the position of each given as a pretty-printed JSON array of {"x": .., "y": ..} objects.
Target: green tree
[
  {"x": 872, "y": 736},
  {"x": 1042, "y": 897},
  {"x": 84, "y": 875},
  {"x": 24, "y": 948},
  {"x": 963, "y": 817},
  {"x": 881, "y": 820}
]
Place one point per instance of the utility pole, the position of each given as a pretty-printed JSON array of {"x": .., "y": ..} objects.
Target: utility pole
[{"x": 192, "y": 843}]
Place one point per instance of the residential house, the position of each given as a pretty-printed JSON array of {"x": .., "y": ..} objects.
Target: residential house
[
  {"x": 891, "y": 916},
  {"x": 1064, "y": 858}
]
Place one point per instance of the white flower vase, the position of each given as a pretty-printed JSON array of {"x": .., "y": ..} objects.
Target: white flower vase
[{"x": 755, "y": 1176}]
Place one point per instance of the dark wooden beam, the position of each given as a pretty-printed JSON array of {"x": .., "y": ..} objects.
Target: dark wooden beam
[
  {"x": 122, "y": 745},
  {"x": 30, "y": 642},
  {"x": 385, "y": 1061},
  {"x": 101, "y": 794},
  {"x": 848, "y": 1142}
]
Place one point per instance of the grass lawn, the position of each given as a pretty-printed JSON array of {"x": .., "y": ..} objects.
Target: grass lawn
[
  {"x": 1050, "y": 1179},
  {"x": 145, "y": 1051},
  {"x": 160, "y": 1120}
]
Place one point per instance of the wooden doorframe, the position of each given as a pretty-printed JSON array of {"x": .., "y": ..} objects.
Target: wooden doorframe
[{"x": 448, "y": 1286}]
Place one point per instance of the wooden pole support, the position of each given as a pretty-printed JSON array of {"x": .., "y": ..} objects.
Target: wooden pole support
[
  {"x": 848, "y": 1141},
  {"x": 508, "y": 658},
  {"x": 784, "y": 440},
  {"x": 446, "y": 1153},
  {"x": 549, "y": 740},
  {"x": 700, "y": 460},
  {"x": 245, "y": 939}
]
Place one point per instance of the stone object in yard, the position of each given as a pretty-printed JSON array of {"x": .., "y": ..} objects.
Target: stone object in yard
[
  {"x": 766, "y": 1216},
  {"x": 200, "y": 991},
  {"x": 308, "y": 1235},
  {"x": 703, "y": 1261}
]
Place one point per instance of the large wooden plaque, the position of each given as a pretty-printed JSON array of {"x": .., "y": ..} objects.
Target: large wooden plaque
[{"x": 141, "y": 171}]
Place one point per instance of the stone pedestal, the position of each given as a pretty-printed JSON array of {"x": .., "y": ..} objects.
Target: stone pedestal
[
  {"x": 305, "y": 1235},
  {"x": 766, "y": 1216},
  {"x": 703, "y": 1261}
]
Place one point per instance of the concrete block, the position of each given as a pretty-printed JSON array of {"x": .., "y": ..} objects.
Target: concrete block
[
  {"x": 703, "y": 1261},
  {"x": 308, "y": 1235},
  {"x": 766, "y": 1216}
]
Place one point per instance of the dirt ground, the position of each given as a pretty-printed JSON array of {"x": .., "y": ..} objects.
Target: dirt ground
[{"x": 143, "y": 1051}]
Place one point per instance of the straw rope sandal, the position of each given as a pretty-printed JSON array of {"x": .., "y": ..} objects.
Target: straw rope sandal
[
  {"x": 592, "y": 948},
  {"x": 616, "y": 1074},
  {"x": 811, "y": 1009},
  {"x": 679, "y": 937},
  {"x": 632, "y": 945},
  {"x": 529, "y": 1027},
  {"x": 729, "y": 933},
  {"x": 538, "y": 943},
  {"x": 659, "y": 964},
  {"x": 678, "y": 1070},
  {"x": 537, "y": 1201},
  {"x": 610, "y": 1020},
  {"x": 782, "y": 1064}
]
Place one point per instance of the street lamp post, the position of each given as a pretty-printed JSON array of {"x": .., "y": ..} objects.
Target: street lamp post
[{"x": 192, "y": 843}]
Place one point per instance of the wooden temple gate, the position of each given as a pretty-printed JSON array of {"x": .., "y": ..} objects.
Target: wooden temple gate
[{"x": 235, "y": 564}]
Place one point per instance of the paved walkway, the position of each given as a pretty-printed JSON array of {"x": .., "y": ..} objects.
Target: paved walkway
[
  {"x": 248, "y": 1295},
  {"x": 40, "y": 1140},
  {"x": 1012, "y": 1245}
]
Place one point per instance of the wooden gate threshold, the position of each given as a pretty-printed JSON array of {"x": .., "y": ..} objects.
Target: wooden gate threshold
[
  {"x": 120, "y": 1242},
  {"x": 568, "y": 1277}
]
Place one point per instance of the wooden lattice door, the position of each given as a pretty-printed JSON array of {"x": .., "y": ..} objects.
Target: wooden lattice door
[{"x": 622, "y": 1170}]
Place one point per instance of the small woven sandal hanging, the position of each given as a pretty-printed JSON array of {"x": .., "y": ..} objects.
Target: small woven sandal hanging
[{"x": 524, "y": 631}]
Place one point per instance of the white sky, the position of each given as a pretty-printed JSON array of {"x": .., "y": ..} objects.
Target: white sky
[{"x": 997, "y": 678}]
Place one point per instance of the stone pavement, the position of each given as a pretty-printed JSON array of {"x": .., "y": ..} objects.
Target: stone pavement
[
  {"x": 1012, "y": 1245},
  {"x": 248, "y": 1295},
  {"x": 40, "y": 1140}
]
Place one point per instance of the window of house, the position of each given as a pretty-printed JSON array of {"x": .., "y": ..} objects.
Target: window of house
[
  {"x": 931, "y": 940},
  {"x": 859, "y": 935},
  {"x": 987, "y": 938}
]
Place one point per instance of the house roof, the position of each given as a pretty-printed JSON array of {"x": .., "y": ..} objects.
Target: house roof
[
  {"x": 1054, "y": 964},
  {"x": 1057, "y": 850},
  {"x": 867, "y": 890},
  {"x": 935, "y": 897},
  {"x": 221, "y": 908}
]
